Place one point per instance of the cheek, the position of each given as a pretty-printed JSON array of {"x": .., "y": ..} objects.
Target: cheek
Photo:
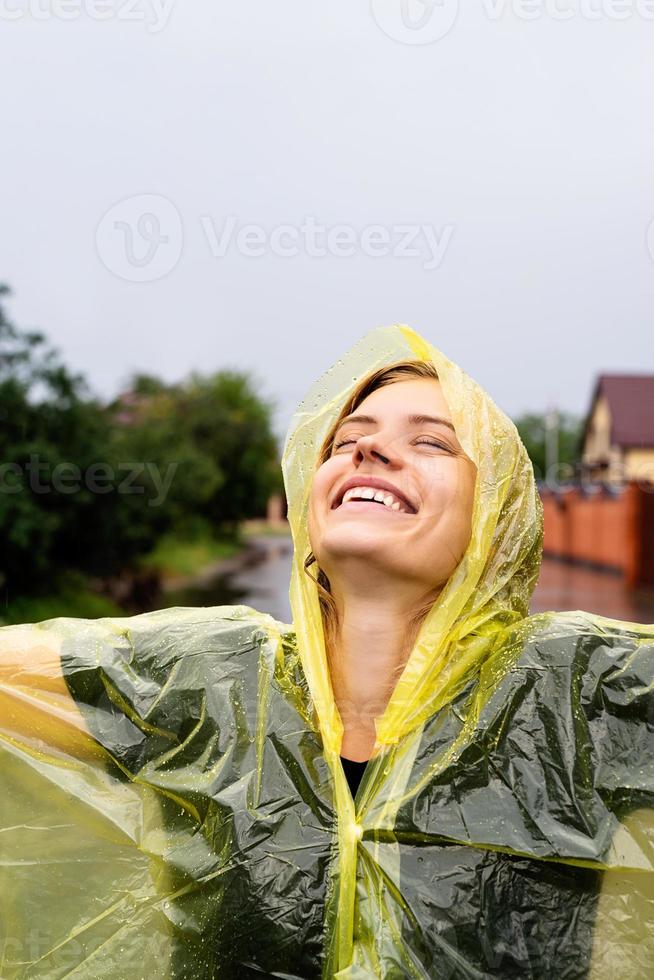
[
  {"x": 313, "y": 531},
  {"x": 451, "y": 495},
  {"x": 313, "y": 496},
  {"x": 324, "y": 483},
  {"x": 318, "y": 497},
  {"x": 464, "y": 498},
  {"x": 318, "y": 493}
]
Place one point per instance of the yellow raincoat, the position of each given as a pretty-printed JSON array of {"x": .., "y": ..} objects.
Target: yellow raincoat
[{"x": 204, "y": 828}]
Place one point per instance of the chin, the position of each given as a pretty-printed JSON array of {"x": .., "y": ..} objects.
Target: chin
[{"x": 351, "y": 542}]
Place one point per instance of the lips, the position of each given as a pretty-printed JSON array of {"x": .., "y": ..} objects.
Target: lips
[{"x": 376, "y": 484}]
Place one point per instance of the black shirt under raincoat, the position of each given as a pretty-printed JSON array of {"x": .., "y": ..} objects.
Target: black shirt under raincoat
[{"x": 206, "y": 829}]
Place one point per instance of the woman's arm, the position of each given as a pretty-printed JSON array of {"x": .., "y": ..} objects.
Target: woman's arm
[
  {"x": 623, "y": 938},
  {"x": 36, "y": 707}
]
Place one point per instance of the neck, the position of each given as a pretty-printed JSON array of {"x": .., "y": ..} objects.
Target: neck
[{"x": 368, "y": 654}]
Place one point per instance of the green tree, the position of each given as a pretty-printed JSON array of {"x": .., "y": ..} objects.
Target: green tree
[
  {"x": 216, "y": 431},
  {"x": 44, "y": 421},
  {"x": 533, "y": 432},
  {"x": 170, "y": 455},
  {"x": 229, "y": 421},
  {"x": 176, "y": 477}
]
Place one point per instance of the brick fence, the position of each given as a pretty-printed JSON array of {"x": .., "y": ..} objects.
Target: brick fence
[{"x": 611, "y": 529}]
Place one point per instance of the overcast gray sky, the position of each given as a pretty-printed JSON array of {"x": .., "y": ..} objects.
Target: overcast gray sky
[{"x": 491, "y": 174}]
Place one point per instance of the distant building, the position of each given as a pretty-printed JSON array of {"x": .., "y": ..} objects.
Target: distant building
[
  {"x": 132, "y": 407},
  {"x": 617, "y": 442},
  {"x": 126, "y": 407},
  {"x": 276, "y": 510}
]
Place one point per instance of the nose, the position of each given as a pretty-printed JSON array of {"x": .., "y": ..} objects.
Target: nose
[{"x": 366, "y": 447}]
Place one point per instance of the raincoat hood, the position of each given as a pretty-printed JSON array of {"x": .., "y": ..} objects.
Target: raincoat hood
[
  {"x": 173, "y": 804},
  {"x": 492, "y": 585}
]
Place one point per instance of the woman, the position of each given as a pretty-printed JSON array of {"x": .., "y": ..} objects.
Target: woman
[
  {"x": 187, "y": 812},
  {"x": 390, "y": 518}
]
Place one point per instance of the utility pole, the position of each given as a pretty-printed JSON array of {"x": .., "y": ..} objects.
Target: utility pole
[{"x": 552, "y": 444}]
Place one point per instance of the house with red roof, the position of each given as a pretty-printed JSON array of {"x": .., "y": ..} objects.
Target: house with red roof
[{"x": 617, "y": 442}]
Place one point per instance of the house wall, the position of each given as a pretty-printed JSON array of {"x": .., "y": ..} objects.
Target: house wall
[
  {"x": 610, "y": 530},
  {"x": 602, "y": 460},
  {"x": 639, "y": 464},
  {"x": 598, "y": 436},
  {"x": 620, "y": 465}
]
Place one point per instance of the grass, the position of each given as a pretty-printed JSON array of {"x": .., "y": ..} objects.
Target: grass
[
  {"x": 175, "y": 554},
  {"x": 261, "y": 528}
]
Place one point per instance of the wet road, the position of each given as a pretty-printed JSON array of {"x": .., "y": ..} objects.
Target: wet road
[
  {"x": 562, "y": 586},
  {"x": 263, "y": 584}
]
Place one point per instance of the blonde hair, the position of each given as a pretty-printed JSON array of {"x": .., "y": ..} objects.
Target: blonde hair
[{"x": 402, "y": 371}]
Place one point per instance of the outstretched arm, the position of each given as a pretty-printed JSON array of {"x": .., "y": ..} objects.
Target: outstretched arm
[
  {"x": 36, "y": 707},
  {"x": 623, "y": 938}
]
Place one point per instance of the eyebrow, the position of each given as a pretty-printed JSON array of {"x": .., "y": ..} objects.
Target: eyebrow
[{"x": 413, "y": 420}]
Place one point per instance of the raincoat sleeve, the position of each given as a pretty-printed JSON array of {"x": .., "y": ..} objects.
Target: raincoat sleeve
[
  {"x": 621, "y": 715},
  {"x": 79, "y": 686},
  {"x": 36, "y": 709},
  {"x": 141, "y": 683},
  {"x": 76, "y": 687},
  {"x": 117, "y": 674},
  {"x": 83, "y": 875},
  {"x": 105, "y": 809},
  {"x": 624, "y": 931}
]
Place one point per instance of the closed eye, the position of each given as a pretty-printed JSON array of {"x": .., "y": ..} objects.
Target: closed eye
[
  {"x": 420, "y": 442},
  {"x": 428, "y": 442}
]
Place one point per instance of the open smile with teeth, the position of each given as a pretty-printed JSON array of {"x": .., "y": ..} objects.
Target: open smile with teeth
[{"x": 384, "y": 497}]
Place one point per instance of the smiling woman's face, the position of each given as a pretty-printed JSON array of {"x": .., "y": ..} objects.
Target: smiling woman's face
[{"x": 421, "y": 529}]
